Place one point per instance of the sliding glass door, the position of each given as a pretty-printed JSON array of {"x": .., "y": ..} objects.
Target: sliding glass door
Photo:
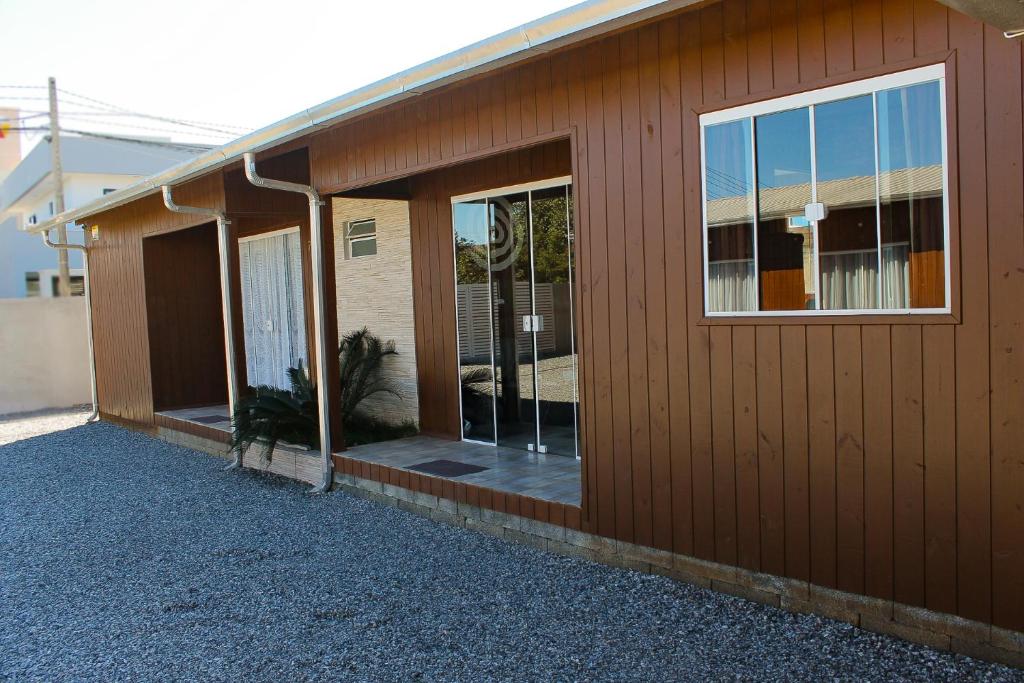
[{"x": 514, "y": 298}]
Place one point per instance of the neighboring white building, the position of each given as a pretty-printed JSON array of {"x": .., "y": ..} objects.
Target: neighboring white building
[{"x": 93, "y": 166}]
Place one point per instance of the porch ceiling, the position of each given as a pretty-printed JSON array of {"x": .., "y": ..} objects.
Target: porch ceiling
[{"x": 1006, "y": 15}]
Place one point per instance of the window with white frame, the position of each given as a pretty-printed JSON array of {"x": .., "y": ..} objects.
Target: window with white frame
[
  {"x": 829, "y": 202},
  {"x": 361, "y": 238}
]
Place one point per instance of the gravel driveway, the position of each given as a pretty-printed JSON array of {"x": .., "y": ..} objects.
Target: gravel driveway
[{"x": 123, "y": 557}]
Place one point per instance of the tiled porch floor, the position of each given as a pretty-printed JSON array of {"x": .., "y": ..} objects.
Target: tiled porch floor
[
  {"x": 510, "y": 470},
  {"x": 216, "y": 417},
  {"x": 547, "y": 477}
]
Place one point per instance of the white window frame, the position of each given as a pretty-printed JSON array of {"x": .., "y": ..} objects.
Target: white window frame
[
  {"x": 926, "y": 74},
  {"x": 349, "y": 240}
]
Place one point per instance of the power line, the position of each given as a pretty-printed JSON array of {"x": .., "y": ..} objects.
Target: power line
[
  {"x": 103, "y": 108},
  {"x": 188, "y": 146},
  {"x": 152, "y": 128},
  {"x": 217, "y": 127}
]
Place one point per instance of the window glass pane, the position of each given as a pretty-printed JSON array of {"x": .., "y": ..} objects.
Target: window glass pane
[
  {"x": 844, "y": 141},
  {"x": 556, "y": 361},
  {"x": 362, "y": 228},
  {"x": 911, "y": 197},
  {"x": 511, "y": 300},
  {"x": 785, "y": 239},
  {"x": 472, "y": 302},
  {"x": 31, "y": 284},
  {"x": 729, "y": 194},
  {"x": 363, "y": 247}
]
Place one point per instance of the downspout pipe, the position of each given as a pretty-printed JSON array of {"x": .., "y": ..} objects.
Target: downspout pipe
[
  {"x": 319, "y": 324},
  {"x": 226, "y": 300},
  {"x": 87, "y": 286}
]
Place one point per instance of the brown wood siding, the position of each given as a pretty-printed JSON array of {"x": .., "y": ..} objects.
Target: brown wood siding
[
  {"x": 873, "y": 454},
  {"x": 184, "y": 319},
  {"x": 118, "y": 283},
  {"x": 433, "y": 271},
  {"x": 866, "y": 455}
]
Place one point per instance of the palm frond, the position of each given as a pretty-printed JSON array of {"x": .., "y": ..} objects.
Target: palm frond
[{"x": 269, "y": 415}]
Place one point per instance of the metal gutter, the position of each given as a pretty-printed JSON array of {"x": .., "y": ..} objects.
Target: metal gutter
[
  {"x": 574, "y": 24},
  {"x": 316, "y": 240},
  {"x": 227, "y": 306},
  {"x": 87, "y": 286}
]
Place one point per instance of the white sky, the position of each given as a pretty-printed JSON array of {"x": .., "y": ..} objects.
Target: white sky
[{"x": 241, "y": 63}]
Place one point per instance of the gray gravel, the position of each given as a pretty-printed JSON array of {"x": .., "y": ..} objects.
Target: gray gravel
[{"x": 122, "y": 557}]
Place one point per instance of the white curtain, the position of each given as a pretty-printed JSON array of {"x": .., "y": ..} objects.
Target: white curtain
[
  {"x": 896, "y": 276},
  {"x": 272, "y": 308},
  {"x": 849, "y": 280},
  {"x": 731, "y": 286}
]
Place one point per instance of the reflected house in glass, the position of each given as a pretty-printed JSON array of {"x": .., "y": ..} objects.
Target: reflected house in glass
[
  {"x": 850, "y": 202},
  {"x": 737, "y": 282}
]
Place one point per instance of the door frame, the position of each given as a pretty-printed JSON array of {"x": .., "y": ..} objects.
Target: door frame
[{"x": 559, "y": 181}]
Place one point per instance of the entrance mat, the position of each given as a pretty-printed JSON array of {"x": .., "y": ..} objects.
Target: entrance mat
[
  {"x": 446, "y": 468},
  {"x": 209, "y": 419}
]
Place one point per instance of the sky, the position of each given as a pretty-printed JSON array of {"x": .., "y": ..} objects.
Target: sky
[{"x": 239, "y": 64}]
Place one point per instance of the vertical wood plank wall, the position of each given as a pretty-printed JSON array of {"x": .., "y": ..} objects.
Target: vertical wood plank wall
[
  {"x": 878, "y": 457},
  {"x": 120, "y": 323},
  {"x": 183, "y": 311}
]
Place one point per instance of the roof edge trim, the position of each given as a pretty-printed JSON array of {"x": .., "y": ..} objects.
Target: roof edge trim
[{"x": 573, "y": 24}]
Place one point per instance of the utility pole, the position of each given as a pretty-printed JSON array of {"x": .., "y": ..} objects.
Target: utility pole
[{"x": 64, "y": 286}]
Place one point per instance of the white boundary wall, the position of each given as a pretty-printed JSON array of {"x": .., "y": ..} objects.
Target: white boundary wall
[{"x": 44, "y": 354}]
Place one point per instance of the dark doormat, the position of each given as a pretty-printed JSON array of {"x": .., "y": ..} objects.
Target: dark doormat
[
  {"x": 209, "y": 419},
  {"x": 446, "y": 468}
]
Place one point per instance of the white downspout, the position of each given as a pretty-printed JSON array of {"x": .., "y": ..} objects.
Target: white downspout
[
  {"x": 87, "y": 286},
  {"x": 319, "y": 325},
  {"x": 226, "y": 300}
]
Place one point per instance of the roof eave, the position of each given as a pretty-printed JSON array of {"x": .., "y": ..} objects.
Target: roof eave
[
  {"x": 552, "y": 32},
  {"x": 1006, "y": 15}
]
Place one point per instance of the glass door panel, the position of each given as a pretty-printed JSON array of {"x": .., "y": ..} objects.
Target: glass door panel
[
  {"x": 512, "y": 304},
  {"x": 515, "y": 308},
  {"x": 473, "y": 307},
  {"x": 554, "y": 333}
]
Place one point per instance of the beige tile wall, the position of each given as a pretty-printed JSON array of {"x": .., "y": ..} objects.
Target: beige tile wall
[{"x": 376, "y": 292}]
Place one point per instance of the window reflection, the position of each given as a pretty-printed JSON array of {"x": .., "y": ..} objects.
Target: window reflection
[
  {"x": 729, "y": 191},
  {"x": 849, "y": 212},
  {"x": 911, "y": 197},
  {"x": 474, "y": 319},
  {"x": 785, "y": 241},
  {"x": 844, "y": 144}
]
